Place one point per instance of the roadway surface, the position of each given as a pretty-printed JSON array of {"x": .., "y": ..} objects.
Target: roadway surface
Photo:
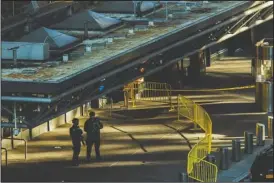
[{"x": 142, "y": 145}]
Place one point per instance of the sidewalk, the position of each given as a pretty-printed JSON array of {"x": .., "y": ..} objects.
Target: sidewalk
[
  {"x": 240, "y": 170},
  {"x": 131, "y": 150}
]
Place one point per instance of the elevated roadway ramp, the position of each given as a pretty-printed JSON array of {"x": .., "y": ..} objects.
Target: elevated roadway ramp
[{"x": 119, "y": 145}]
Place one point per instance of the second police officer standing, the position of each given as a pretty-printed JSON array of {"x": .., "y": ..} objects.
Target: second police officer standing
[{"x": 92, "y": 127}]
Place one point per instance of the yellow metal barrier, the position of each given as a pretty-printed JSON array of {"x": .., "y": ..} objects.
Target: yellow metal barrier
[
  {"x": 149, "y": 91},
  {"x": 197, "y": 167},
  {"x": 162, "y": 92}
]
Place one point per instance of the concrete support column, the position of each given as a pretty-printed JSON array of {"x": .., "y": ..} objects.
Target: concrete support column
[
  {"x": 48, "y": 126},
  {"x": 126, "y": 99},
  {"x": 197, "y": 65},
  {"x": 194, "y": 68},
  {"x": 65, "y": 117},
  {"x": 81, "y": 110},
  {"x": 207, "y": 57},
  {"x": 30, "y": 133},
  {"x": 94, "y": 103},
  {"x": 11, "y": 139},
  {"x": 264, "y": 96},
  {"x": 230, "y": 48}
]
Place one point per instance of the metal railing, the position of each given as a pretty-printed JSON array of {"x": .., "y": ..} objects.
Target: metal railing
[
  {"x": 197, "y": 167},
  {"x": 25, "y": 144},
  {"x": 149, "y": 91},
  {"x": 6, "y": 155}
]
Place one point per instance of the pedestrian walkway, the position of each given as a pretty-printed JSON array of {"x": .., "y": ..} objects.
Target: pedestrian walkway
[{"x": 127, "y": 147}]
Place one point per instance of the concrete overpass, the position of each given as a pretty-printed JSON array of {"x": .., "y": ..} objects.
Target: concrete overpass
[{"x": 61, "y": 88}]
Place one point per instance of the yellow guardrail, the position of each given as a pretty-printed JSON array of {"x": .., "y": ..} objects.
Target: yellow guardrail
[
  {"x": 197, "y": 167},
  {"x": 149, "y": 91},
  {"x": 162, "y": 92}
]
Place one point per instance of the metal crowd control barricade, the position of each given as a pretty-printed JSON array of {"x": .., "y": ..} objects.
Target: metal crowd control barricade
[
  {"x": 198, "y": 167},
  {"x": 149, "y": 91}
]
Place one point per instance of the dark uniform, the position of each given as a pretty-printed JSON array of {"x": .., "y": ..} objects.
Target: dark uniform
[
  {"x": 77, "y": 138},
  {"x": 92, "y": 127}
]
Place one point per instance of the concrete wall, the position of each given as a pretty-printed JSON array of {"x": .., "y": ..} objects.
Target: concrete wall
[{"x": 43, "y": 128}]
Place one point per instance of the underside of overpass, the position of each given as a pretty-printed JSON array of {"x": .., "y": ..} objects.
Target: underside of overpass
[{"x": 185, "y": 52}]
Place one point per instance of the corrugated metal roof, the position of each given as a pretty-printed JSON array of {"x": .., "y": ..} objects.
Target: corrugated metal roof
[
  {"x": 96, "y": 21},
  {"x": 55, "y": 39}
]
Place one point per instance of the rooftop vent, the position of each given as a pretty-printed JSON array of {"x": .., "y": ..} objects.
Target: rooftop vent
[
  {"x": 29, "y": 71},
  {"x": 131, "y": 31},
  {"x": 141, "y": 27},
  {"x": 88, "y": 48},
  {"x": 99, "y": 45},
  {"x": 65, "y": 58},
  {"x": 120, "y": 36},
  {"x": 52, "y": 64},
  {"x": 109, "y": 40},
  {"x": 76, "y": 54},
  {"x": 170, "y": 15},
  {"x": 151, "y": 23}
]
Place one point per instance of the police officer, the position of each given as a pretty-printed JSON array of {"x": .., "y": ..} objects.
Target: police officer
[
  {"x": 92, "y": 127},
  {"x": 77, "y": 138}
]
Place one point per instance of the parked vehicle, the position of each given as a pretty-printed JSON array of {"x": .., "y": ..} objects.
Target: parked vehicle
[{"x": 262, "y": 168}]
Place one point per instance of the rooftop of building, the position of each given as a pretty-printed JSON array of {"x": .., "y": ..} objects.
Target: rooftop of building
[{"x": 122, "y": 41}]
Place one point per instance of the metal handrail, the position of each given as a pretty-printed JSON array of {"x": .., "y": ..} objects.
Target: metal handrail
[
  {"x": 6, "y": 155},
  {"x": 25, "y": 143}
]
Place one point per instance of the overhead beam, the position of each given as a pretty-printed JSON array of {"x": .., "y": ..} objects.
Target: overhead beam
[
  {"x": 12, "y": 125},
  {"x": 9, "y": 111}
]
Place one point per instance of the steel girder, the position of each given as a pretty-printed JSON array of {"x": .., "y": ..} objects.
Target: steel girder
[{"x": 243, "y": 22}]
